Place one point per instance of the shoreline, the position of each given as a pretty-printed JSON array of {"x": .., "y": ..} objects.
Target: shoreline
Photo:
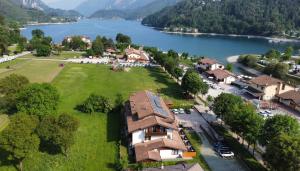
[
  {"x": 41, "y": 24},
  {"x": 270, "y": 39},
  {"x": 232, "y": 59}
]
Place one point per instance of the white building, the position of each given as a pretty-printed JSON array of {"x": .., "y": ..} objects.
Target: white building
[
  {"x": 222, "y": 76},
  {"x": 207, "y": 64},
  {"x": 136, "y": 56},
  {"x": 152, "y": 128}
]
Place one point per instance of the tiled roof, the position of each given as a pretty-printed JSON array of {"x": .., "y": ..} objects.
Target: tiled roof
[
  {"x": 146, "y": 103},
  {"x": 142, "y": 149},
  {"x": 265, "y": 80},
  {"x": 207, "y": 61},
  {"x": 220, "y": 73},
  {"x": 291, "y": 95}
]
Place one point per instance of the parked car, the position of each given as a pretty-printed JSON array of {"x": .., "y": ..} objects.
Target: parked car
[
  {"x": 181, "y": 111},
  {"x": 226, "y": 153},
  {"x": 187, "y": 111}
]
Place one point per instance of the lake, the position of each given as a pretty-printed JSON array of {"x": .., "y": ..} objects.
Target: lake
[{"x": 218, "y": 47}]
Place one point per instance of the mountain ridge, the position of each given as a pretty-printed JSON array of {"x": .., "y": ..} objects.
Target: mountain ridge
[
  {"x": 136, "y": 13},
  {"x": 89, "y": 7},
  {"x": 255, "y": 17}
]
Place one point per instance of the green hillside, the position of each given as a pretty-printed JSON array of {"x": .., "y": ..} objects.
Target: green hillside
[{"x": 255, "y": 17}]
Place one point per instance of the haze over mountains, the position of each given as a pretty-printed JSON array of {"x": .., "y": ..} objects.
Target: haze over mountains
[{"x": 32, "y": 10}]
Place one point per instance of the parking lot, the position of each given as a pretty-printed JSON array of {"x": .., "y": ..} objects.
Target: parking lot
[{"x": 214, "y": 160}]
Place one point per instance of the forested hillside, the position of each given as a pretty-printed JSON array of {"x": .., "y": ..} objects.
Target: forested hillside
[
  {"x": 38, "y": 11},
  {"x": 136, "y": 13},
  {"x": 251, "y": 17}
]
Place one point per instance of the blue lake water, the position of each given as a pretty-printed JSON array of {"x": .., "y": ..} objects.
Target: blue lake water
[{"x": 218, "y": 47}]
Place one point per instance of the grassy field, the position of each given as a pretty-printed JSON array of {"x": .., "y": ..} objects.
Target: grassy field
[
  {"x": 34, "y": 70},
  {"x": 3, "y": 121},
  {"x": 95, "y": 147},
  {"x": 63, "y": 55}
]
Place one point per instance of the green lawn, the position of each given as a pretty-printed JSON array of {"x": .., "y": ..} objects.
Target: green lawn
[
  {"x": 63, "y": 55},
  {"x": 34, "y": 70},
  {"x": 3, "y": 121},
  {"x": 95, "y": 147}
]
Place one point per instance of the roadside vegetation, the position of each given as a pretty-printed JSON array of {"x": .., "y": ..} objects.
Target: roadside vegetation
[{"x": 242, "y": 119}]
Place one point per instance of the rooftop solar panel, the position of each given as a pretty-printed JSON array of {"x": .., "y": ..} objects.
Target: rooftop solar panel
[{"x": 156, "y": 104}]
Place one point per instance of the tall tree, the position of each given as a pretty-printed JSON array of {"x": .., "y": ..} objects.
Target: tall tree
[
  {"x": 283, "y": 153},
  {"x": 225, "y": 104},
  {"x": 97, "y": 46},
  {"x": 9, "y": 87},
  {"x": 121, "y": 38},
  {"x": 57, "y": 134},
  {"x": 191, "y": 82},
  {"x": 279, "y": 124},
  {"x": 37, "y": 33},
  {"x": 19, "y": 140},
  {"x": 38, "y": 99}
]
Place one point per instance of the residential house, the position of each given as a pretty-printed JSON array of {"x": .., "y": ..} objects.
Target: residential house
[
  {"x": 207, "y": 64},
  {"x": 221, "y": 76},
  {"x": 152, "y": 129},
  {"x": 136, "y": 55},
  {"x": 266, "y": 88},
  {"x": 290, "y": 98}
]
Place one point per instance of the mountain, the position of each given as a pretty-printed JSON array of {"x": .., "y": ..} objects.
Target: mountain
[
  {"x": 253, "y": 17},
  {"x": 136, "y": 13},
  {"x": 34, "y": 10},
  {"x": 89, "y": 7}
]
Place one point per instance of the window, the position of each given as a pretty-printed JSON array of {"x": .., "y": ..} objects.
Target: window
[{"x": 175, "y": 152}]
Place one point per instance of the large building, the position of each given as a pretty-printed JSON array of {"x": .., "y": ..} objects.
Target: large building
[
  {"x": 152, "y": 129},
  {"x": 221, "y": 76},
  {"x": 207, "y": 64},
  {"x": 136, "y": 55},
  {"x": 266, "y": 88},
  {"x": 291, "y": 99}
]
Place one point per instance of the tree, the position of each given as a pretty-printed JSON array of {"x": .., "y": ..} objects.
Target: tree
[
  {"x": 76, "y": 43},
  {"x": 279, "y": 124},
  {"x": 37, "y": 33},
  {"x": 43, "y": 50},
  {"x": 273, "y": 54},
  {"x": 95, "y": 103},
  {"x": 191, "y": 82},
  {"x": 97, "y": 46},
  {"x": 185, "y": 55},
  {"x": 278, "y": 70},
  {"x": 9, "y": 87},
  {"x": 178, "y": 72},
  {"x": 19, "y": 140},
  {"x": 283, "y": 153},
  {"x": 225, "y": 103},
  {"x": 121, "y": 38},
  {"x": 251, "y": 124},
  {"x": 38, "y": 99},
  {"x": 248, "y": 60},
  {"x": 57, "y": 134},
  {"x": 287, "y": 53},
  {"x": 229, "y": 67}
]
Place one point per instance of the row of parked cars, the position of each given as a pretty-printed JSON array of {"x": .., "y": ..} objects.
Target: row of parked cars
[
  {"x": 223, "y": 149},
  {"x": 266, "y": 113},
  {"x": 181, "y": 111}
]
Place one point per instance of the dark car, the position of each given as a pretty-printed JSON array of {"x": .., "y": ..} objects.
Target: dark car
[{"x": 187, "y": 111}]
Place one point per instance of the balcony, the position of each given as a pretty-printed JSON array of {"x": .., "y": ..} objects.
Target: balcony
[{"x": 158, "y": 132}]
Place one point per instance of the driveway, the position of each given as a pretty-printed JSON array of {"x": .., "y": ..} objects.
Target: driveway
[{"x": 215, "y": 162}]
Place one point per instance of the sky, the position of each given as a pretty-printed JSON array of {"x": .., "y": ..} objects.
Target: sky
[{"x": 63, "y": 4}]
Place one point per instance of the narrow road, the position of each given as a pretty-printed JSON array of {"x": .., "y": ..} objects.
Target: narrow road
[{"x": 215, "y": 162}]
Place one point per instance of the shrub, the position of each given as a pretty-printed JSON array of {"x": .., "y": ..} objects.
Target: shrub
[{"x": 95, "y": 103}]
